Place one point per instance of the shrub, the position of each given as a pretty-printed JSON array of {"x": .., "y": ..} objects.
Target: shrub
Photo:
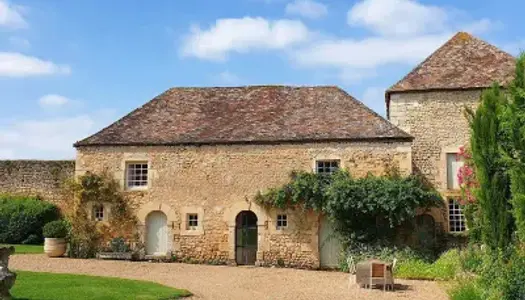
[
  {"x": 514, "y": 285},
  {"x": 55, "y": 229},
  {"x": 468, "y": 290},
  {"x": 360, "y": 252},
  {"x": 32, "y": 239},
  {"x": 119, "y": 245},
  {"x": 472, "y": 259},
  {"x": 22, "y": 219}
]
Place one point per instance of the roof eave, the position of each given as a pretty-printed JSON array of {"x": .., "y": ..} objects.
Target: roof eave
[{"x": 407, "y": 138}]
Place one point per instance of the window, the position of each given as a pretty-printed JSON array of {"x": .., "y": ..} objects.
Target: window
[
  {"x": 98, "y": 212},
  {"x": 137, "y": 175},
  {"x": 327, "y": 166},
  {"x": 282, "y": 221},
  {"x": 456, "y": 219},
  {"x": 192, "y": 221},
  {"x": 453, "y": 167}
]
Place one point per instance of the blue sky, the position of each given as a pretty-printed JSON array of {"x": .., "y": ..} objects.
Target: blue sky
[{"x": 70, "y": 68}]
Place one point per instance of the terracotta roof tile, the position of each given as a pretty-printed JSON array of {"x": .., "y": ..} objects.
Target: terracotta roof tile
[
  {"x": 247, "y": 115},
  {"x": 464, "y": 62}
]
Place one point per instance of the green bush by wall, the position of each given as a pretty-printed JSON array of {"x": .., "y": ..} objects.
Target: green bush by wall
[{"x": 22, "y": 219}]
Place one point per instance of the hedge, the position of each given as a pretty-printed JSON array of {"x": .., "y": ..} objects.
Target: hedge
[{"x": 22, "y": 219}]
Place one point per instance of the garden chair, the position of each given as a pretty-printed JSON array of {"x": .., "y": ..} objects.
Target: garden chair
[
  {"x": 390, "y": 274},
  {"x": 351, "y": 269},
  {"x": 378, "y": 273}
]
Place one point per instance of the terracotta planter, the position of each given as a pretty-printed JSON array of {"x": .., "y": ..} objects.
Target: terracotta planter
[{"x": 55, "y": 247}]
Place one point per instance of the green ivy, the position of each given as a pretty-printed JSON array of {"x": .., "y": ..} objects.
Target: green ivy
[{"x": 362, "y": 209}]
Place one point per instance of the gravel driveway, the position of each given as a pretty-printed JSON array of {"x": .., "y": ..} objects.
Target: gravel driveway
[{"x": 224, "y": 282}]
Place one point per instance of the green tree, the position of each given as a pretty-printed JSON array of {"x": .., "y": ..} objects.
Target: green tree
[
  {"x": 493, "y": 194},
  {"x": 514, "y": 144}
]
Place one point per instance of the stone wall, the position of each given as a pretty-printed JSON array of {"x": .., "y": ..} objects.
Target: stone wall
[
  {"x": 438, "y": 124},
  {"x": 218, "y": 182},
  {"x": 35, "y": 177}
]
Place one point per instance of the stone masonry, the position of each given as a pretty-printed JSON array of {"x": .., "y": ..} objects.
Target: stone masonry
[
  {"x": 437, "y": 121},
  {"x": 217, "y": 182},
  {"x": 37, "y": 178}
]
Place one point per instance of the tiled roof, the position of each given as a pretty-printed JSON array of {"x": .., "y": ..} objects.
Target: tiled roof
[
  {"x": 464, "y": 62},
  {"x": 251, "y": 114}
]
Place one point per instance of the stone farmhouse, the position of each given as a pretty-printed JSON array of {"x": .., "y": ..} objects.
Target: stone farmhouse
[{"x": 194, "y": 158}]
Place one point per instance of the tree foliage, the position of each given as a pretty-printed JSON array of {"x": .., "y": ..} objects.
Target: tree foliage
[
  {"x": 493, "y": 194},
  {"x": 88, "y": 235},
  {"x": 513, "y": 144},
  {"x": 362, "y": 209}
]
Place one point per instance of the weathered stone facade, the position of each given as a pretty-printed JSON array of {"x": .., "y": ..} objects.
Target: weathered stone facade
[
  {"x": 437, "y": 121},
  {"x": 35, "y": 178},
  {"x": 217, "y": 182}
]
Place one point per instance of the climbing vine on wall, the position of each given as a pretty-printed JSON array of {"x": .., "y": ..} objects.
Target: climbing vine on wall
[
  {"x": 362, "y": 209},
  {"x": 88, "y": 235}
]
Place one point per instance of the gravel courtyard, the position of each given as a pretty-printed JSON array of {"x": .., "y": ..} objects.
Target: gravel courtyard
[{"x": 224, "y": 283}]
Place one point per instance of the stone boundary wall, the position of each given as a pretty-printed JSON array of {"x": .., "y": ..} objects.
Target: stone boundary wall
[{"x": 41, "y": 178}]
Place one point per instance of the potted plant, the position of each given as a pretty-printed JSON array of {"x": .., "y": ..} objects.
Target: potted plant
[{"x": 55, "y": 233}]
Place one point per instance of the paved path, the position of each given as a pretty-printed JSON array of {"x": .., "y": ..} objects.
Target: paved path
[{"x": 231, "y": 283}]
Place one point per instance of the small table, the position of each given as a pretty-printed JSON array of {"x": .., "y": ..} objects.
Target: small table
[{"x": 381, "y": 270}]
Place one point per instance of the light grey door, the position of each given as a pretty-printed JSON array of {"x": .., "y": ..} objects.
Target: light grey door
[
  {"x": 157, "y": 233},
  {"x": 330, "y": 247}
]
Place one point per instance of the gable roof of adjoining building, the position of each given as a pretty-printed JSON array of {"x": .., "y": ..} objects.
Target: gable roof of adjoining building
[
  {"x": 251, "y": 114},
  {"x": 463, "y": 62}
]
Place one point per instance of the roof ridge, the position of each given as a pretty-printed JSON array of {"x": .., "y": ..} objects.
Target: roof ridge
[{"x": 253, "y": 86}]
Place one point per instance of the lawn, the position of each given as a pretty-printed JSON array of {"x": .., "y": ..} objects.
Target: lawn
[
  {"x": 26, "y": 249},
  {"x": 49, "y": 286}
]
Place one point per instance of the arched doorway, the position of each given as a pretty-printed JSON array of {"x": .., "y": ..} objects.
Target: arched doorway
[
  {"x": 425, "y": 231},
  {"x": 246, "y": 238},
  {"x": 156, "y": 233}
]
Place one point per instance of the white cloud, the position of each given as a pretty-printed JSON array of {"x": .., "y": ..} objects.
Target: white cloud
[
  {"x": 48, "y": 138},
  {"x": 19, "y": 42},
  {"x": 403, "y": 32},
  {"x": 243, "y": 35},
  {"x": 11, "y": 16},
  {"x": 228, "y": 78},
  {"x": 397, "y": 17},
  {"x": 368, "y": 53},
  {"x": 53, "y": 100},
  {"x": 307, "y": 8},
  {"x": 14, "y": 64}
]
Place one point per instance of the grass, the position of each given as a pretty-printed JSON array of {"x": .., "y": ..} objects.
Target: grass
[
  {"x": 445, "y": 268},
  {"x": 467, "y": 290},
  {"x": 49, "y": 286},
  {"x": 26, "y": 249}
]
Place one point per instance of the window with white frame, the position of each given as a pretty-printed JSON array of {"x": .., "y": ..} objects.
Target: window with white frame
[
  {"x": 98, "y": 212},
  {"x": 327, "y": 166},
  {"x": 192, "y": 221},
  {"x": 137, "y": 175},
  {"x": 282, "y": 221},
  {"x": 454, "y": 164},
  {"x": 456, "y": 218}
]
